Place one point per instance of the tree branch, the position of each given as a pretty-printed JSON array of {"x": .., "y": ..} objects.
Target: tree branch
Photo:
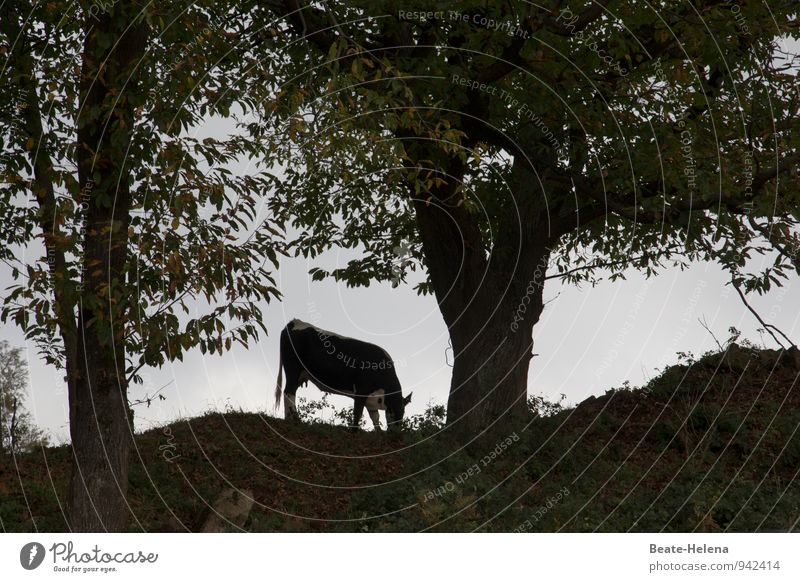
[
  {"x": 42, "y": 185},
  {"x": 767, "y": 326},
  {"x": 148, "y": 399},
  {"x": 708, "y": 329},
  {"x": 782, "y": 250},
  {"x": 605, "y": 264},
  {"x": 787, "y": 163}
]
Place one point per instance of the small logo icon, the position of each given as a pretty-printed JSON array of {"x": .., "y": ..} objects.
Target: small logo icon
[{"x": 31, "y": 555}]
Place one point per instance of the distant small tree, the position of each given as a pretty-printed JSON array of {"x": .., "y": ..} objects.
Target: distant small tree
[{"x": 18, "y": 433}]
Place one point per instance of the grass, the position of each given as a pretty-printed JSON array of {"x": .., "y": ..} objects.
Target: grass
[{"x": 709, "y": 445}]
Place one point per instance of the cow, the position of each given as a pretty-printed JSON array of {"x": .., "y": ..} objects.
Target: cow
[{"x": 339, "y": 365}]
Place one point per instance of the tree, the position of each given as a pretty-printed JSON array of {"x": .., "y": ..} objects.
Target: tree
[
  {"x": 136, "y": 220},
  {"x": 507, "y": 143},
  {"x": 18, "y": 432}
]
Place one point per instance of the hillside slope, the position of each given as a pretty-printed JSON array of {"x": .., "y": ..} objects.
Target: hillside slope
[{"x": 709, "y": 445}]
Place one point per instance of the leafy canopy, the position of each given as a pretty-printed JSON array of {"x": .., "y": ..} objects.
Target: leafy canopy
[
  {"x": 199, "y": 248},
  {"x": 631, "y": 133}
]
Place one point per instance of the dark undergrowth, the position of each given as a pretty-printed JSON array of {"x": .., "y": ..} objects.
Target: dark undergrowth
[{"x": 709, "y": 445}]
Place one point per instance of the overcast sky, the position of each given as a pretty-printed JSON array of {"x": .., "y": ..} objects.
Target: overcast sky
[{"x": 588, "y": 340}]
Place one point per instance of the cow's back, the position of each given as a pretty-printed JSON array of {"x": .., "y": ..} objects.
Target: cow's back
[{"x": 338, "y": 363}]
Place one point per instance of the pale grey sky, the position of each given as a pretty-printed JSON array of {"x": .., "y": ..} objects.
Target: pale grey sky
[{"x": 588, "y": 340}]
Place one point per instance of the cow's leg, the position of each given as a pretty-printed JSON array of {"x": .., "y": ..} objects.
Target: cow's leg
[
  {"x": 376, "y": 402},
  {"x": 289, "y": 395},
  {"x": 358, "y": 410},
  {"x": 290, "y": 407},
  {"x": 376, "y": 419}
]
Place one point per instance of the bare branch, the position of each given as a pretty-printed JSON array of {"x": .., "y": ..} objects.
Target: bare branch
[
  {"x": 767, "y": 326},
  {"x": 705, "y": 326},
  {"x": 148, "y": 399}
]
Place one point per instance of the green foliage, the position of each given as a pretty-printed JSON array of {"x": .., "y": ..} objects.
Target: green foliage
[
  {"x": 198, "y": 252},
  {"x": 631, "y": 138},
  {"x": 542, "y": 407},
  {"x": 314, "y": 411},
  {"x": 431, "y": 421}
]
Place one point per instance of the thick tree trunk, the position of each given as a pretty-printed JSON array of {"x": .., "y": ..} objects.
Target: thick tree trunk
[
  {"x": 100, "y": 420},
  {"x": 490, "y": 301},
  {"x": 489, "y": 291},
  {"x": 101, "y": 431},
  {"x": 492, "y": 347},
  {"x": 490, "y": 377}
]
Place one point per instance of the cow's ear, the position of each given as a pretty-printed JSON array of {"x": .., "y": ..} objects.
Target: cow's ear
[{"x": 407, "y": 399}]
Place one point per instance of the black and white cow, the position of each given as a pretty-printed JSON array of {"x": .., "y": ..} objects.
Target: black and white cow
[{"x": 339, "y": 365}]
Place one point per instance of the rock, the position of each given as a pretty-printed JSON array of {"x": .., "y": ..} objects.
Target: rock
[{"x": 230, "y": 511}]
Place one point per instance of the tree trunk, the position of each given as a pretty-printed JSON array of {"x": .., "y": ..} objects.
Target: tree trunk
[
  {"x": 489, "y": 387},
  {"x": 101, "y": 430},
  {"x": 13, "y": 428},
  {"x": 101, "y": 424},
  {"x": 490, "y": 301},
  {"x": 492, "y": 347}
]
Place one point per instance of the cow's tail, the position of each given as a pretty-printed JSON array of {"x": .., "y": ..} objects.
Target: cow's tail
[{"x": 279, "y": 387}]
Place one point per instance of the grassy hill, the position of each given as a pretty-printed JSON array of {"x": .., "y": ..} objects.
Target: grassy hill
[{"x": 709, "y": 445}]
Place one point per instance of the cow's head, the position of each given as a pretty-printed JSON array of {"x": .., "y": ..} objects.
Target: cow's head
[{"x": 396, "y": 410}]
